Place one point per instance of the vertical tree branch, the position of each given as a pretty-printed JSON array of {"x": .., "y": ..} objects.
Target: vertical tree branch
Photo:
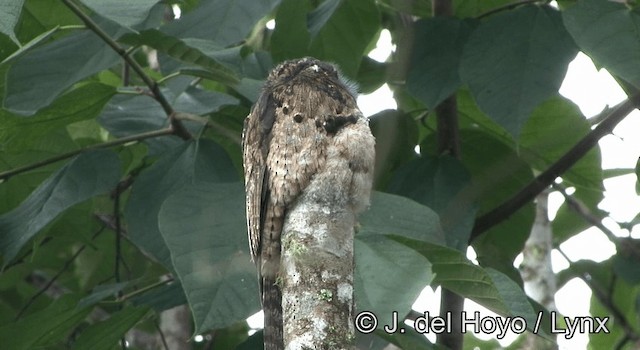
[
  {"x": 539, "y": 279},
  {"x": 449, "y": 143}
]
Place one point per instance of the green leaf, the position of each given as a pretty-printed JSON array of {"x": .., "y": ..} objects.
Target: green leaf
[
  {"x": 321, "y": 15},
  {"x": 39, "y": 16},
  {"x": 371, "y": 75},
  {"x": 17, "y": 188},
  {"x": 204, "y": 227},
  {"x": 127, "y": 14},
  {"x": 396, "y": 138},
  {"x": 192, "y": 161},
  {"x": 104, "y": 335},
  {"x": 487, "y": 287},
  {"x": 607, "y": 32},
  {"x": 85, "y": 102},
  {"x": 440, "y": 183},
  {"x": 38, "y": 77},
  {"x": 199, "y": 52},
  {"x": 345, "y": 37},
  {"x": 554, "y": 128},
  {"x": 435, "y": 59},
  {"x": 497, "y": 173},
  {"x": 225, "y": 22},
  {"x": 34, "y": 42},
  {"x": 291, "y": 38},
  {"x": 45, "y": 327},
  {"x": 85, "y": 176},
  {"x": 9, "y": 15},
  {"x": 516, "y": 60},
  {"x": 568, "y": 222},
  {"x": 391, "y": 214},
  {"x": 389, "y": 276}
]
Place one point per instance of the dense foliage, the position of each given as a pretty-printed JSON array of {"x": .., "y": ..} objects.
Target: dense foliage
[{"x": 120, "y": 157}]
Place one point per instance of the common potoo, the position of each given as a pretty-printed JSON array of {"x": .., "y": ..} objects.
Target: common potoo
[{"x": 305, "y": 121}]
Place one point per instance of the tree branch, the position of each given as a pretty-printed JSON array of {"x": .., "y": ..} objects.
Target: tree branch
[
  {"x": 544, "y": 180},
  {"x": 121, "y": 141},
  {"x": 177, "y": 126},
  {"x": 449, "y": 143}
]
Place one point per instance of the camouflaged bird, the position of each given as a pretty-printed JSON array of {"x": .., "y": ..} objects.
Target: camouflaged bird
[{"x": 305, "y": 120}]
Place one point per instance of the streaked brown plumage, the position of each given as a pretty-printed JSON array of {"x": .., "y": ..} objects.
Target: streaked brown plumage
[{"x": 286, "y": 141}]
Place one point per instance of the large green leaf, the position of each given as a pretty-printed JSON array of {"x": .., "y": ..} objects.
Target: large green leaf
[
  {"x": 204, "y": 53},
  {"x": 204, "y": 227},
  {"x": 31, "y": 44},
  {"x": 346, "y": 35},
  {"x": 497, "y": 173},
  {"x": 291, "y": 38},
  {"x": 516, "y": 60},
  {"x": 406, "y": 273},
  {"x": 435, "y": 59},
  {"x": 40, "y": 76},
  {"x": 17, "y": 188},
  {"x": 44, "y": 327},
  {"x": 392, "y": 214},
  {"x": 320, "y": 15},
  {"x": 127, "y": 14},
  {"x": 9, "y": 15},
  {"x": 389, "y": 276},
  {"x": 190, "y": 162},
  {"x": 555, "y": 127},
  {"x": 608, "y": 32},
  {"x": 85, "y": 176},
  {"x": 487, "y": 287},
  {"x": 104, "y": 335},
  {"x": 443, "y": 185},
  {"x": 18, "y": 133},
  {"x": 225, "y": 22}
]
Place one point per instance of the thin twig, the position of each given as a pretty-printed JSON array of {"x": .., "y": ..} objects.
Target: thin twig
[
  {"x": 582, "y": 210},
  {"x": 133, "y": 138},
  {"x": 145, "y": 289},
  {"x": 162, "y": 337},
  {"x": 544, "y": 180},
  {"x": 178, "y": 128}
]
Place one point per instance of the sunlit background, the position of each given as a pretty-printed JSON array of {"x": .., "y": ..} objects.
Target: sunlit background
[{"x": 592, "y": 90}]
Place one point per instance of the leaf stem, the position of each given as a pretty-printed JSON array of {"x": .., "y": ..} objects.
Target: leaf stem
[
  {"x": 178, "y": 128},
  {"x": 121, "y": 141}
]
